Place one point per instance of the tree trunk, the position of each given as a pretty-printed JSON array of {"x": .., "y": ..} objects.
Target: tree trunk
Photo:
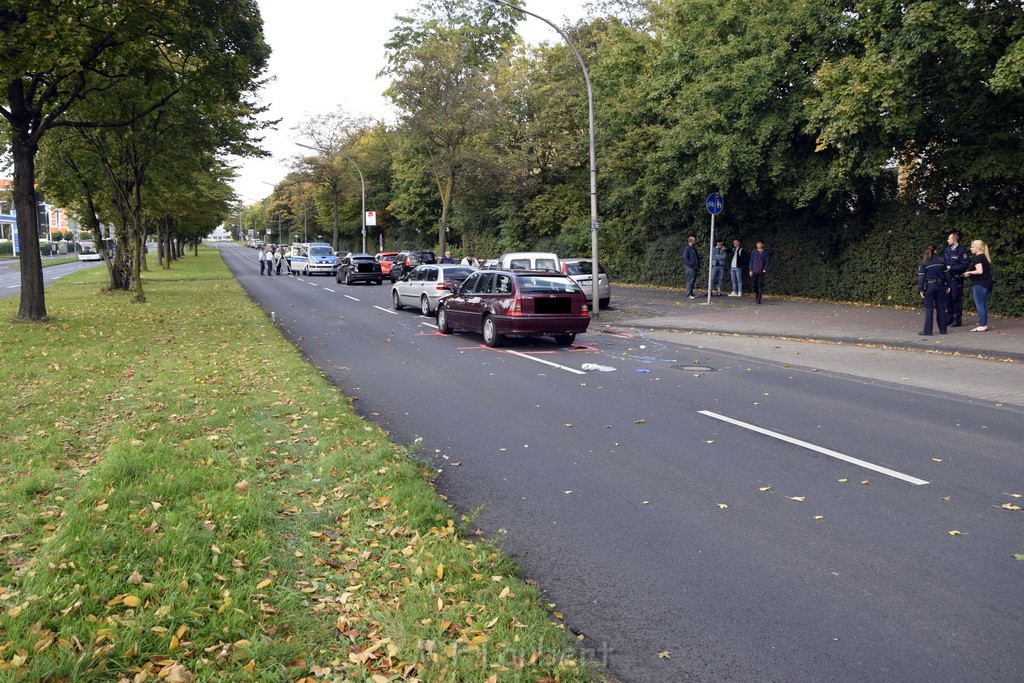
[
  {"x": 335, "y": 242},
  {"x": 446, "y": 202},
  {"x": 33, "y": 301}
]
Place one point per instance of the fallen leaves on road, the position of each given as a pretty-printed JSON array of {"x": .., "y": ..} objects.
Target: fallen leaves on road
[
  {"x": 954, "y": 533},
  {"x": 798, "y": 499},
  {"x": 664, "y": 654}
]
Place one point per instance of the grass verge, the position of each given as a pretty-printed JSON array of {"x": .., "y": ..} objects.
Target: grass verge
[{"x": 183, "y": 498}]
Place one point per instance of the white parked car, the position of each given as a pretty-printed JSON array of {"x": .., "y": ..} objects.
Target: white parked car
[
  {"x": 582, "y": 271},
  {"x": 424, "y": 286}
]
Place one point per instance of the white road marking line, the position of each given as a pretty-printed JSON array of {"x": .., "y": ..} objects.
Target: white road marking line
[
  {"x": 386, "y": 310},
  {"x": 819, "y": 449},
  {"x": 547, "y": 362},
  {"x": 312, "y": 284},
  {"x": 431, "y": 325},
  {"x": 13, "y": 286},
  {"x": 350, "y": 297},
  {"x": 328, "y": 289}
]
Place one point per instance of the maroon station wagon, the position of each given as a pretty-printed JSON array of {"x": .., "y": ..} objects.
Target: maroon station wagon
[{"x": 522, "y": 303}]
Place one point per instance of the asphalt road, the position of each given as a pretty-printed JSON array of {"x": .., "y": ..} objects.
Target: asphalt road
[
  {"x": 682, "y": 542},
  {"x": 10, "y": 275}
]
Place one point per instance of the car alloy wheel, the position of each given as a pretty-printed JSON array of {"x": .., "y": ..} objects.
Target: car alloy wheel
[
  {"x": 442, "y": 321},
  {"x": 491, "y": 336},
  {"x": 425, "y": 305},
  {"x": 396, "y": 301}
]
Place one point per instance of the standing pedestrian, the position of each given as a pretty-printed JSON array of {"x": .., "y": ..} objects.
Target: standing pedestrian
[
  {"x": 470, "y": 260},
  {"x": 933, "y": 284},
  {"x": 719, "y": 255},
  {"x": 263, "y": 260},
  {"x": 447, "y": 257},
  {"x": 759, "y": 259},
  {"x": 286, "y": 256},
  {"x": 691, "y": 264},
  {"x": 957, "y": 261},
  {"x": 278, "y": 257},
  {"x": 270, "y": 259},
  {"x": 981, "y": 279},
  {"x": 738, "y": 262}
]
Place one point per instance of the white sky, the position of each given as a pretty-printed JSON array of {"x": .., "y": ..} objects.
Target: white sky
[{"x": 327, "y": 54}]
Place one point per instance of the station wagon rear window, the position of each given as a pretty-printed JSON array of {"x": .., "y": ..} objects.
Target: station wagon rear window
[{"x": 546, "y": 285}]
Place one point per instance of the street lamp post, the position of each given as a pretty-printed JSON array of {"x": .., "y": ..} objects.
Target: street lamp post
[
  {"x": 593, "y": 150},
  {"x": 362, "y": 182}
]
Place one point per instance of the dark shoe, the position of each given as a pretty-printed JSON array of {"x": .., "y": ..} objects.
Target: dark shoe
[
  {"x": 942, "y": 332},
  {"x": 924, "y": 334},
  {"x": 954, "y": 325}
]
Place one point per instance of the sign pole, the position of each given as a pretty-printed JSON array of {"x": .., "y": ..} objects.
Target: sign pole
[
  {"x": 714, "y": 205},
  {"x": 711, "y": 256}
]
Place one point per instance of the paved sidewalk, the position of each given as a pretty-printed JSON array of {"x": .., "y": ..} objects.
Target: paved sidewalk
[{"x": 869, "y": 342}]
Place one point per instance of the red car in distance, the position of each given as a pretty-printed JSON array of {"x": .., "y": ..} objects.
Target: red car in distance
[{"x": 386, "y": 258}]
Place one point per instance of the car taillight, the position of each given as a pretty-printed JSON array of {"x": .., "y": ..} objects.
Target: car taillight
[
  {"x": 584, "y": 311},
  {"x": 517, "y": 308},
  {"x": 441, "y": 286}
]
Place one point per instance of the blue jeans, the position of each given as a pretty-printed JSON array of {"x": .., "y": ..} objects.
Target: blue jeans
[
  {"x": 981, "y": 303},
  {"x": 717, "y": 276},
  {"x": 737, "y": 280}
]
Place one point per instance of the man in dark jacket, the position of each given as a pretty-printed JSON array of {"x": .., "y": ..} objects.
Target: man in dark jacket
[
  {"x": 758, "y": 268},
  {"x": 691, "y": 264}
]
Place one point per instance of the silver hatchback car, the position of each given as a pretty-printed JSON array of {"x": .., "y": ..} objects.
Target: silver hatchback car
[
  {"x": 425, "y": 285},
  {"x": 582, "y": 271}
]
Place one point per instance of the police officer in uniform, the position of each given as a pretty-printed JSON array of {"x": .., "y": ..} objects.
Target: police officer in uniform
[
  {"x": 933, "y": 284},
  {"x": 957, "y": 261}
]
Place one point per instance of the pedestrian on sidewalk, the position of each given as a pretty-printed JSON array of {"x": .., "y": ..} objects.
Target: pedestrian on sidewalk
[
  {"x": 738, "y": 260},
  {"x": 933, "y": 284},
  {"x": 981, "y": 279},
  {"x": 719, "y": 255},
  {"x": 263, "y": 260},
  {"x": 269, "y": 256},
  {"x": 691, "y": 264},
  {"x": 957, "y": 261},
  {"x": 758, "y": 269},
  {"x": 278, "y": 256}
]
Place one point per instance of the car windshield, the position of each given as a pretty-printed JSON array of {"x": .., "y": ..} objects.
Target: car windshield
[
  {"x": 535, "y": 284},
  {"x": 320, "y": 251},
  {"x": 579, "y": 268}
]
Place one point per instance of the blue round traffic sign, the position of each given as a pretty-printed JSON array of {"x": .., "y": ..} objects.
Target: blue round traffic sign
[{"x": 715, "y": 204}]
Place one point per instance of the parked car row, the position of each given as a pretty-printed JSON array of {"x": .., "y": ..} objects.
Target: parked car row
[{"x": 519, "y": 294}]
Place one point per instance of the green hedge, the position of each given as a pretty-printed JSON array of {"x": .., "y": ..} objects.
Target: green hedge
[{"x": 873, "y": 263}]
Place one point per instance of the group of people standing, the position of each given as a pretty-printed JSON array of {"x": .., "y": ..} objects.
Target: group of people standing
[
  {"x": 940, "y": 283},
  {"x": 738, "y": 260},
  {"x": 271, "y": 258}
]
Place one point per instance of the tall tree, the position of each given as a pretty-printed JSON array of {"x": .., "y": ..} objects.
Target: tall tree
[
  {"x": 440, "y": 59},
  {"x": 105, "y": 45}
]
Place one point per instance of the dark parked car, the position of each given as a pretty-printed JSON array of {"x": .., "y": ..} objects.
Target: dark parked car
[
  {"x": 426, "y": 285},
  {"x": 359, "y": 268},
  {"x": 522, "y": 303},
  {"x": 407, "y": 260}
]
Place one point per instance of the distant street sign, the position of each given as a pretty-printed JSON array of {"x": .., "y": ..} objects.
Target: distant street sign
[
  {"x": 371, "y": 218},
  {"x": 715, "y": 204}
]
